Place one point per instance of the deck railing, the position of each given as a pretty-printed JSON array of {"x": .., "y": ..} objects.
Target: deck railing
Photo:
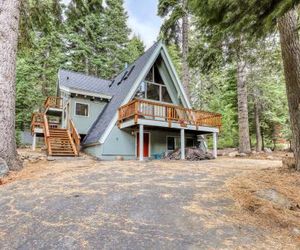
[
  {"x": 74, "y": 135},
  {"x": 53, "y": 102},
  {"x": 150, "y": 110}
]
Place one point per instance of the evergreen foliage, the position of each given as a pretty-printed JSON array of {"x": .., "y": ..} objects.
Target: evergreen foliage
[
  {"x": 85, "y": 36},
  {"x": 172, "y": 11}
]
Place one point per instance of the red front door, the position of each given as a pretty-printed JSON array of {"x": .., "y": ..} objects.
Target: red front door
[{"x": 146, "y": 144}]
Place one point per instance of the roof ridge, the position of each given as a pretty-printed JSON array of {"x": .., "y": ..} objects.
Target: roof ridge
[{"x": 84, "y": 74}]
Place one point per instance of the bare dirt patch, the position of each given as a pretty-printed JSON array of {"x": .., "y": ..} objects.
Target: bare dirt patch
[
  {"x": 271, "y": 197},
  {"x": 138, "y": 205}
]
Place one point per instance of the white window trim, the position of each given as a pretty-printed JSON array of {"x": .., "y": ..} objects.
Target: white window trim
[{"x": 84, "y": 103}]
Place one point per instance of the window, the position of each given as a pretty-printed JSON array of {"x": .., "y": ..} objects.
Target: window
[
  {"x": 165, "y": 97},
  {"x": 189, "y": 142},
  {"x": 171, "y": 143},
  {"x": 174, "y": 142},
  {"x": 82, "y": 109},
  {"x": 153, "y": 91},
  {"x": 153, "y": 87}
]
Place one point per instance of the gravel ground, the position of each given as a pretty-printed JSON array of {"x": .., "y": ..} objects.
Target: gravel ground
[{"x": 84, "y": 204}]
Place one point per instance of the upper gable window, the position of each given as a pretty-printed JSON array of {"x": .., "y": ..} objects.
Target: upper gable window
[{"x": 153, "y": 87}]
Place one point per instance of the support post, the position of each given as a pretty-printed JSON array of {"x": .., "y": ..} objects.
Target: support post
[
  {"x": 141, "y": 139},
  {"x": 215, "y": 145},
  {"x": 182, "y": 142},
  {"x": 34, "y": 142}
]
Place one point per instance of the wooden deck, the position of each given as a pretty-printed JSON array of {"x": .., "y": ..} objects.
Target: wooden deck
[
  {"x": 53, "y": 102},
  {"x": 149, "y": 110}
]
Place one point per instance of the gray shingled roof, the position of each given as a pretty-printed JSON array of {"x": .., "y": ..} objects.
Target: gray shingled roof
[
  {"x": 79, "y": 81},
  {"x": 119, "y": 93}
]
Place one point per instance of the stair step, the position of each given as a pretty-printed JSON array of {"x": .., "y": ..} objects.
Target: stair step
[
  {"x": 63, "y": 155},
  {"x": 59, "y": 137},
  {"x": 60, "y": 147},
  {"x": 62, "y": 151}
]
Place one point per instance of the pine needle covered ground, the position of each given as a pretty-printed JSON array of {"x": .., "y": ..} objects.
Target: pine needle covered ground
[{"x": 270, "y": 196}]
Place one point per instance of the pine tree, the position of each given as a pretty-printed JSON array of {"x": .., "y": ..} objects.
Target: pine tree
[
  {"x": 85, "y": 31},
  {"x": 39, "y": 56},
  {"x": 259, "y": 18},
  {"x": 176, "y": 29},
  {"x": 135, "y": 48},
  {"x": 116, "y": 38},
  {"x": 9, "y": 18},
  {"x": 97, "y": 37}
]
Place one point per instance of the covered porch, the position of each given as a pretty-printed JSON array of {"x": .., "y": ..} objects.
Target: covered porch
[{"x": 143, "y": 115}]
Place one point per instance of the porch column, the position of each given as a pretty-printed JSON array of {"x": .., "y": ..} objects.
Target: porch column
[
  {"x": 34, "y": 142},
  {"x": 141, "y": 139},
  {"x": 215, "y": 145},
  {"x": 182, "y": 142}
]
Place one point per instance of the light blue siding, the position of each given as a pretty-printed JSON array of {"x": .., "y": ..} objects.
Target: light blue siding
[
  {"x": 123, "y": 143},
  {"x": 83, "y": 123},
  {"x": 119, "y": 143}
]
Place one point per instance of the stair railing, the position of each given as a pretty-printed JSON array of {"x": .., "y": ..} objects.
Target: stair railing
[
  {"x": 74, "y": 135},
  {"x": 47, "y": 135}
]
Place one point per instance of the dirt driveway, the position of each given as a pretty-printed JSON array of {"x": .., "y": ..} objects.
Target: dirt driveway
[{"x": 85, "y": 204}]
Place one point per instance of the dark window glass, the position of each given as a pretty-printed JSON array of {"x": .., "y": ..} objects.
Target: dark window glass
[
  {"x": 157, "y": 76},
  {"x": 149, "y": 77},
  {"x": 189, "y": 142},
  {"x": 171, "y": 143},
  {"x": 153, "y": 92},
  {"x": 165, "y": 97},
  {"x": 82, "y": 109}
]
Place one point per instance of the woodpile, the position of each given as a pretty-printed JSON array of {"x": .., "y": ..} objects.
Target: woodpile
[{"x": 191, "y": 154}]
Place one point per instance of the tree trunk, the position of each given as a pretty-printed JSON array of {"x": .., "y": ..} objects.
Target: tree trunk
[
  {"x": 257, "y": 126},
  {"x": 244, "y": 138},
  {"x": 290, "y": 49},
  {"x": 9, "y": 20},
  {"x": 185, "y": 48}
]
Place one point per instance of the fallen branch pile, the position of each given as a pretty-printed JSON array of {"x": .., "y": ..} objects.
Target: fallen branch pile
[{"x": 191, "y": 154}]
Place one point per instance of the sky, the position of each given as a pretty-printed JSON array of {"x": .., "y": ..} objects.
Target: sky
[{"x": 142, "y": 19}]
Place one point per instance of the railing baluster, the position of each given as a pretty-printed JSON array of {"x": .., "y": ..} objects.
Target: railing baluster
[{"x": 168, "y": 112}]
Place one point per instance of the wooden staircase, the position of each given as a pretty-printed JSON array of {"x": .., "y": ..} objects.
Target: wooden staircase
[
  {"x": 58, "y": 141},
  {"x": 61, "y": 143}
]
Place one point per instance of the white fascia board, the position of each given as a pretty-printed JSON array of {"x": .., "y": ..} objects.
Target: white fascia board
[
  {"x": 133, "y": 89},
  {"x": 164, "y": 124},
  {"x": 177, "y": 81},
  {"x": 83, "y": 92}
]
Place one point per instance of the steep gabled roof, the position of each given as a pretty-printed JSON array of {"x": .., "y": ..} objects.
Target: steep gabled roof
[
  {"x": 119, "y": 89},
  {"x": 77, "y": 81}
]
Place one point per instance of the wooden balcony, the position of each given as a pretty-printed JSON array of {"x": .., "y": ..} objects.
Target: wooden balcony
[
  {"x": 38, "y": 123},
  {"x": 53, "y": 102},
  {"x": 172, "y": 114}
]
